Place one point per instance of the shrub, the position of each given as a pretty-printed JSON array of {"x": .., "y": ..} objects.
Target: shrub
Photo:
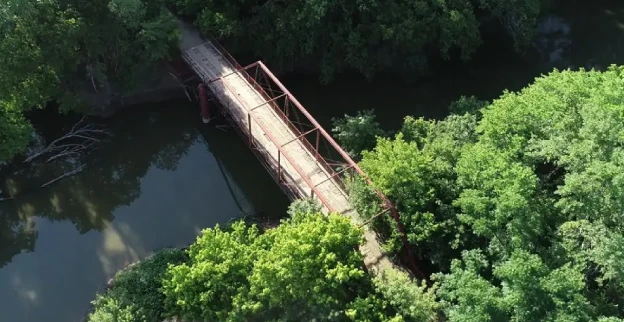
[{"x": 135, "y": 291}]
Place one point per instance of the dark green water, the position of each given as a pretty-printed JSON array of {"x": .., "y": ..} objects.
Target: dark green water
[
  {"x": 165, "y": 176},
  {"x": 574, "y": 34},
  {"x": 162, "y": 179}
]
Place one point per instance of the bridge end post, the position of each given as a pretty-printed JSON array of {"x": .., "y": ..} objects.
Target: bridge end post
[{"x": 203, "y": 102}]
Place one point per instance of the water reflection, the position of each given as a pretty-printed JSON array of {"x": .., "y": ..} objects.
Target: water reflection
[
  {"x": 17, "y": 235},
  {"x": 112, "y": 179},
  {"x": 157, "y": 184}
]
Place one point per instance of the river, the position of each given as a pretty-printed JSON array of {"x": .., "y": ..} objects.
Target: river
[
  {"x": 165, "y": 176},
  {"x": 574, "y": 34}
]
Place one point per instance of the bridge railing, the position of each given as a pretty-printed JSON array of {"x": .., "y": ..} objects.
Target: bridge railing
[{"x": 320, "y": 144}]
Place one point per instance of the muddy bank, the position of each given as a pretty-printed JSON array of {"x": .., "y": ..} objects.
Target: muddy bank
[{"x": 160, "y": 85}]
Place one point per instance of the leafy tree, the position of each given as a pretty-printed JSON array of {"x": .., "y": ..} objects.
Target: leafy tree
[
  {"x": 37, "y": 52},
  {"x": 417, "y": 171},
  {"x": 301, "y": 207},
  {"x": 470, "y": 104},
  {"x": 110, "y": 309},
  {"x": 519, "y": 18},
  {"x": 15, "y": 132},
  {"x": 311, "y": 270},
  {"x": 63, "y": 50},
  {"x": 412, "y": 300},
  {"x": 528, "y": 188},
  {"x": 529, "y": 291},
  {"x": 366, "y": 36},
  {"x": 135, "y": 293},
  {"x": 357, "y": 133},
  {"x": 371, "y": 308},
  {"x": 542, "y": 185},
  {"x": 208, "y": 286},
  {"x": 306, "y": 268}
]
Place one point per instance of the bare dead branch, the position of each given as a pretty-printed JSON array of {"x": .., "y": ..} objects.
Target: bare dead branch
[
  {"x": 93, "y": 83},
  {"x": 5, "y": 198},
  {"x": 80, "y": 138},
  {"x": 184, "y": 87},
  {"x": 65, "y": 175},
  {"x": 373, "y": 218},
  {"x": 222, "y": 127}
]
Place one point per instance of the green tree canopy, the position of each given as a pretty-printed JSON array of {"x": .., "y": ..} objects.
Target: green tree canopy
[
  {"x": 305, "y": 268},
  {"x": 417, "y": 171},
  {"x": 63, "y": 50},
  {"x": 368, "y": 36},
  {"x": 308, "y": 268},
  {"x": 519, "y": 206}
]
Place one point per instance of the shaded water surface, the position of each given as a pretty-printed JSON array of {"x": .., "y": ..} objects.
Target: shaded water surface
[
  {"x": 162, "y": 179},
  {"x": 574, "y": 33},
  {"x": 164, "y": 176}
]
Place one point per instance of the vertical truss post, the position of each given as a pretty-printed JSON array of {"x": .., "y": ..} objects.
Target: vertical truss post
[
  {"x": 256, "y": 78},
  {"x": 250, "y": 135},
  {"x": 279, "y": 166},
  {"x": 318, "y": 137}
]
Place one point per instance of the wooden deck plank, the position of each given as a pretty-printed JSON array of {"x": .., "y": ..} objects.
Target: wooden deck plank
[{"x": 270, "y": 133}]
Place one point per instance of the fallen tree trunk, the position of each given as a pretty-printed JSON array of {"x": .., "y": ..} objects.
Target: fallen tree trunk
[{"x": 79, "y": 139}]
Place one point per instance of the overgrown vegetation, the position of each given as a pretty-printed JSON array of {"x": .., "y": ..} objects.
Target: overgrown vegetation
[
  {"x": 367, "y": 36},
  {"x": 70, "y": 52},
  {"x": 135, "y": 293},
  {"x": 518, "y": 205},
  {"x": 308, "y": 268}
]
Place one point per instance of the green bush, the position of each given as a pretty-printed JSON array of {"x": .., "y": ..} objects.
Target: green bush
[
  {"x": 303, "y": 207},
  {"x": 135, "y": 292},
  {"x": 410, "y": 298},
  {"x": 306, "y": 269},
  {"x": 110, "y": 309},
  {"x": 357, "y": 133}
]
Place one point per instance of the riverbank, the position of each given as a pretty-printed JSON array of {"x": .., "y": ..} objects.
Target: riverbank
[
  {"x": 238, "y": 273},
  {"x": 159, "y": 86},
  {"x": 162, "y": 178}
]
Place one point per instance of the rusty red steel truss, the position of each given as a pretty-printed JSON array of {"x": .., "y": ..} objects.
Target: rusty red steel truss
[{"x": 335, "y": 161}]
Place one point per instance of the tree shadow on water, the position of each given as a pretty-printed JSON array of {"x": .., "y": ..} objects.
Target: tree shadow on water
[{"x": 142, "y": 139}]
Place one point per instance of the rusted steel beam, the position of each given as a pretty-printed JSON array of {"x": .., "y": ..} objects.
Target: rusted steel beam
[
  {"x": 308, "y": 116},
  {"x": 369, "y": 220},
  {"x": 296, "y": 167},
  {"x": 305, "y": 178},
  {"x": 350, "y": 161},
  {"x": 318, "y": 136},
  {"x": 216, "y": 45},
  {"x": 345, "y": 156},
  {"x": 300, "y": 136},
  {"x": 269, "y": 101},
  {"x": 236, "y": 71},
  {"x": 334, "y": 175}
]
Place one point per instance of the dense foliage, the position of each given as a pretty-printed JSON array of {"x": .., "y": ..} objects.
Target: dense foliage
[
  {"x": 135, "y": 292},
  {"x": 519, "y": 205},
  {"x": 358, "y": 133},
  {"x": 307, "y": 269},
  {"x": 364, "y": 35},
  {"x": 70, "y": 52}
]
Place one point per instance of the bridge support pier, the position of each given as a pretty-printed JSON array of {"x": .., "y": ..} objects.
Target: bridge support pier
[{"x": 203, "y": 102}]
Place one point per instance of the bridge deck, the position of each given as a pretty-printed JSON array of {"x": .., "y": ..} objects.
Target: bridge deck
[{"x": 276, "y": 142}]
